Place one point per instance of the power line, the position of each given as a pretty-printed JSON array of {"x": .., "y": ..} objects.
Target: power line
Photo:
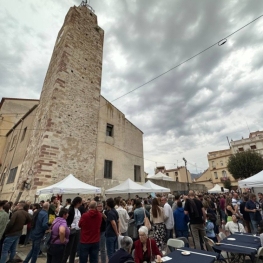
[{"x": 178, "y": 65}]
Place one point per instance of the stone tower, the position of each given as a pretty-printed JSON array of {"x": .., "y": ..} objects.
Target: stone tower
[{"x": 65, "y": 130}]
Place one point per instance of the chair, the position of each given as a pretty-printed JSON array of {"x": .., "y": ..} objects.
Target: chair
[
  {"x": 222, "y": 235},
  {"x": 209, "y": 246},
  {"x": 174, "y": 243},
  {"x": 259, "y": 254},
  {"x": 186, "y": 242}
]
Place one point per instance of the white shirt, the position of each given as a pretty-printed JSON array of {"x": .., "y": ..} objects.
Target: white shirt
[
  {"x": 169, "y": 214},
  {"x": 123, "y": 219},
  {"x": 77, "y": 216},
  {"x": 234, "y": 227}
]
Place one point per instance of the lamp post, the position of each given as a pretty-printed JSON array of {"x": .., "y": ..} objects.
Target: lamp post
[{"x": 185, "y": 162}]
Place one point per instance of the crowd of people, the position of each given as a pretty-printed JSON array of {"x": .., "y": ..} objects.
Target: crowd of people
[{"x": 93, "y": 228}]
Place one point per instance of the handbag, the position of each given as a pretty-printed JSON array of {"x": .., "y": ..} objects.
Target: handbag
[
  {"x": 146, "y": 221},
  {"x": 46, "y": 240}
]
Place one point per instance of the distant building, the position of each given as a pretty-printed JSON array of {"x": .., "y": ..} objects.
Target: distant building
[
  {"x": 177, "y": 174},
  {"x": 72, "y": 128}
]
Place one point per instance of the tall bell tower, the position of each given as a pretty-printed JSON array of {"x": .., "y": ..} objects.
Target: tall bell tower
[{"x": 65, "y": 130}]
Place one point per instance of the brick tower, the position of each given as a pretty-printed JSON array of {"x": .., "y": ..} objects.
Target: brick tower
[{"x": 65, "y": 130}]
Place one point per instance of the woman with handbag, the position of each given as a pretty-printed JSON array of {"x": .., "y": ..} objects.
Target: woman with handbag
[
  {"x": 59, "y": 237},
  {"x": 146, "y": 249},
  {"x": 157, "y": 217},
  {"x": 74, "y": 216}
]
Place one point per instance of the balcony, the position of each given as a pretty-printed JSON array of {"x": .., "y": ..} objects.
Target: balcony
[{"x": 223, "y": 179}]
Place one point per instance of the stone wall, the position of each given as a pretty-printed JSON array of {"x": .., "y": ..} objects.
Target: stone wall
[{"x": 66, "y": 125}]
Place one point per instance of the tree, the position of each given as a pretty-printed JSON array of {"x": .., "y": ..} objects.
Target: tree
[
  {"x": 245, "y": 164},
  {"x": 227, "y": 184}
]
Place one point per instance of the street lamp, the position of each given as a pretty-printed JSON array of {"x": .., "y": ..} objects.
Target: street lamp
[{"x": 185, "y": 162}]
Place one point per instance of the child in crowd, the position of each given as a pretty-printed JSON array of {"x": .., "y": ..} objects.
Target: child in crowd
[{"x": 209, "y": 228}]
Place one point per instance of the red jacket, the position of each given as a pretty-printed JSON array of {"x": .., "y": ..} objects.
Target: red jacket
[
  {"x": 138, "y": 257},
  {"x": 90, "y": 227}
]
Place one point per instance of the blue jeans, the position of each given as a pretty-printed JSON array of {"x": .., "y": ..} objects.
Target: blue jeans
[
  {"x": 180, "y": 233},
  {"x": 254, "y": 224},
  {"x": 102, "y": 247},
  {"x": 9, "y": 245},
  {"x": 111, "y": 245},
  {"x": 34, "y": 251},
  {"x": 90, "y": 251}
]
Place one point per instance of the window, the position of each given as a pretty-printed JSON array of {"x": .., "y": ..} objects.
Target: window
[
  {"x": 13, "y": 143},
  {"x": 167, "y": 174},
  {"x": 224, "y": 174},
  {"x": 12, "y": 176},
  {"x": 137, "y": 173},
  {"x": 109, "y": 130},
  {"x": 222, "y": 164},
  {"x": 176, "y": 173},
  {"x": 108, "y": 169},
  {"x": 241, "y": 149},
  {"x": 215, "y": 174},
  {"x": 176, "y": 179},
  {"x": 24, "y": 134},
  {"x": 253, "y": 147},
  {"x": 213, "y": 164},
  {"x": 3, "y": 177}
]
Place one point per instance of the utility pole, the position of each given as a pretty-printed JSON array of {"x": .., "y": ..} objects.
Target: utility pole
[{"x": 185, "y": 162}]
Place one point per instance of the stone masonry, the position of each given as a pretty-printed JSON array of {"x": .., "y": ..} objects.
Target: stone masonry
[{"x": 66, "y": 125}]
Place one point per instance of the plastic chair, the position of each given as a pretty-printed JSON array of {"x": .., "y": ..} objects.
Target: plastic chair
[
  {"x": 209, "y": 246},
  {"x": 259, "y": 254},
  {"x": 186, "y": 242},
  {"x": 222, "y": 235},
  {"x": 176, "y": 243}
]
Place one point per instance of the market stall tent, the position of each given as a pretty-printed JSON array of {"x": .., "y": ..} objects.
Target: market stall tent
[
  {"x": 159, "y": 176},
  {"x": 69, "y": 185},
  {"x": 156, "y": 188},
  {"x": 253, "y": 181},
  {"x": 128, "y": 187},
  {"x": 217, "y": 189}
]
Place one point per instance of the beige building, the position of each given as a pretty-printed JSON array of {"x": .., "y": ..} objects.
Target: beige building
[
  {"x": 253, "y": 142},
  {"x": 177, "y": 174},
  {"x": 73, "y": 129},
  {"x": 205, "y": 179}
]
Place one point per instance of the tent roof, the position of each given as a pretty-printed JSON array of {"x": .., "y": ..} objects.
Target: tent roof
[
  {"x": 69, "y": 185},
  {"x": 253, "y": 181},
  {"x": 161, "y": 176},
  {"x": 217, "y": 189},
  {"x": 156, "y": 188},
  {"x": 129, "y": 187}
]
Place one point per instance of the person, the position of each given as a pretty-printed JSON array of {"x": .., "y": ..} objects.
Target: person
[
  {"x": 209, "y": 228},
  {"x": 68, "y": 203},
  {"x": 260, "y": 230},
  {"x": 145, "y": 248},
  {"x": 194, "y": 208},
  {"x": 4, "y": 217},
  {"x": 123, "y": 255},
  {"x": 100, "y": 208},
  {"x": 230, "y": 209},
  {"x": 129, "y": 206},
  {"x": 73, "y": 218},
  {"x": 123, "y": 218},
  {"x": 139, "y": 214},
  {"x": 169, "y": 222},
  {"x": 90, "y": 223},
  {"x": 234, "y": 226},
  {"x": 176, "y": 199},
  {"x": 170, "y": 200},
  {"x": 245, "y": 214},
  {"x": 147, "y": 206},
  {"x": 157, "y": 216},
  {"x": 53, "y": 210},
  {"x": 59, "y": 237},
  {"x": 253, "y": 207},
  {"x": 38, "y": 227},
  {"x": 180, "y": 221},
  {"x": 13, "y": 232},
  {"x": 112, "y": 228},
  {"x": 222, "y": 208}
]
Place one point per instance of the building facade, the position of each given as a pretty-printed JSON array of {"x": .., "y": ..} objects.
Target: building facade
[
  {"x": 177, "y": 174},
  {"x": 74, "y": 129}
]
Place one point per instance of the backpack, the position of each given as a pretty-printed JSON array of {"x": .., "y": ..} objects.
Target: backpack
[{"x": 46, "y": 240}]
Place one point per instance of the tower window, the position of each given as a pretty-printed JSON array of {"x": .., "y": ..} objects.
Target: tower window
[
  {"x": 109, "y": 130},
  {"x": 253, "y": 147},
  {"x": 108, "y": 169},
  {"x": 12, "y": 176},
  {"x": 24, "y": 134},
  {"x": 215, "y": 174},
  {"x": 137, "y": 173}
]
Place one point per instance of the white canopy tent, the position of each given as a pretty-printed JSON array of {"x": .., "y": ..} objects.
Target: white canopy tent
[
  {"x": 69, "y": 185},
  {"x": 128, "y": 187},
  {"x": 159, "y": 176},
  {"x": 253, "y": 181},
  {"x": 217, "y": 189},
  {"x": 156, "y": 188}
]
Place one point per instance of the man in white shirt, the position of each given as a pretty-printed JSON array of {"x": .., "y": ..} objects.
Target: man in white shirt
[
  {"x": 169, "y": 223},
  {"x": 234, "y": 226},
  {"x": 123, "y": 218}
]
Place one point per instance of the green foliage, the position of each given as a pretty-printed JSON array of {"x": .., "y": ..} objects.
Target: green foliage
[
  {"x": 245, "y": 164},
  {"x": 227, "y": 184}
]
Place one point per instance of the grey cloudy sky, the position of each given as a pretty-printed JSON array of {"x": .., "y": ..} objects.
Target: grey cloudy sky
[{"x": 185, "y": 113}]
